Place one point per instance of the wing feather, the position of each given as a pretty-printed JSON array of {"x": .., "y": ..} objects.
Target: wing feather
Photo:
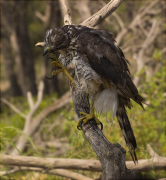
[{"x": 108, "y": 61}]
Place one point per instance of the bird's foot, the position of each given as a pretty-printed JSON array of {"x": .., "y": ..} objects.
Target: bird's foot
[
  {"x": 86, "y": 118},
  {"x": 62, "y": 68}
]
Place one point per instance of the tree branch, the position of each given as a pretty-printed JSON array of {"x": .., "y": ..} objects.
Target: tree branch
[
  {"x": 157, "y": 163},
  {"x": 136, "y": 20},
  {"x": 66, "y": 12},
  {"x": 30, "y": 127},
  {"x": 30, "y": 100},
  {"x": 28, "y": 120},
  {"x": 14, "y": 108},
  {"x": 154, "y": 31},
  {"x": 102, "y": 14},
  {"x": 45, "y": 18},
  {"x": 59, "y": 172}
]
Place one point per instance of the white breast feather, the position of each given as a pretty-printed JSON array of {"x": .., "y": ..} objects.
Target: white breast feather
[{"x": 106, "y": 101}]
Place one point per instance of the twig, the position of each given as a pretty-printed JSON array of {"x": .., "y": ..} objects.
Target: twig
[
  {"x": 13, "y": 107},
  {"x": 59, "y": 172},
  {"x": 79, "y": 164}
]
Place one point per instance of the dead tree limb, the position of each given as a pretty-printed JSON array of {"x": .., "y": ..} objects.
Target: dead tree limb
[
  {"x": 33, "y": 123},
  {"x": 107, "y": 10},
  {"x": 14, "y": 108},
  {"x": 111, "y": 156},
  {"x": 58, "y": 172},
  {"x": 156, "y": 162},
  {"x": 154, "y": 31},
  {"x": 66, "y": 12},
  {"x": 28, "y": 120},
  {"x": 135, "y": 21}
]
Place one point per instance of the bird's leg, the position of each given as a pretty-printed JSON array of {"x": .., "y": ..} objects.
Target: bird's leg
[
  {"x": 57, "y": 64},
  {"x": 87, "y": 117}
]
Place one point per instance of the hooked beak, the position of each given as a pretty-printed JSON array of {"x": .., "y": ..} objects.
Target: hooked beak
[{"x": 46, "y": 50}]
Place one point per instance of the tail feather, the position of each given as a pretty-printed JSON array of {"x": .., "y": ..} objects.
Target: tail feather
[
  {"x": 127, "y": 130},
  {"x": 140, "y": 100}
]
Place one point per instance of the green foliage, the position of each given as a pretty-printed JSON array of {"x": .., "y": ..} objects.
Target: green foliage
[{"x": 157, "y": 55}]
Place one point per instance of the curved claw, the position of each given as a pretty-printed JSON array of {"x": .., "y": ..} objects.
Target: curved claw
[
  {"x": 101, "y": 126},
  {"x": 79, "y": 128},
  {"x": 52, "y": 59},
  {"x": 81, "y": 124},
  {"x": 49, "y": 77}
]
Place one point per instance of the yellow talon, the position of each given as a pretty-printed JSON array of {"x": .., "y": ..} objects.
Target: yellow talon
[
  {"x": 55, "y": 57},
  {"x": 57, "y": 64},
  {"x": 86, "y": 118},
  {"x": 55, "y": 72}
]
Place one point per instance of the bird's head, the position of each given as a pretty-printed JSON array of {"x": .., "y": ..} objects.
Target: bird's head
[{"x": 55, "y": 39}]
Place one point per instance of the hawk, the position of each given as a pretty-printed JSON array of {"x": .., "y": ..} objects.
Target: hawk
[{"x": 95, "y": 65}]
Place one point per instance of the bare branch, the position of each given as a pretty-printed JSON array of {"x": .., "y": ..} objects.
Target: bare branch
[
  {"x": 121, "y": 24},
  {"x": 154, "y": 31},
  {"x": 118, "y": 19},
  {"x": 30, "y": 100},
  {"x": 28, "y": 121},
  {"x": 79, "y": 164},
  {"x": 59, "y": 172},
  {"x": 152, "y": 153},
  {"x": 136, "y": 20},
  {"x": 35, "y": 122},
  {"x": 66, "y": 12},
  {"x": 13, "y": 107},
  {"x": 45, "y": 18},
  {"x": 102, "y": 14},
  {"x": 40, "y": 16}
]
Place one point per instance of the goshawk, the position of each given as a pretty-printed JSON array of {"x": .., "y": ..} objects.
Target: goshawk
[{"x": 96, "y": 66}]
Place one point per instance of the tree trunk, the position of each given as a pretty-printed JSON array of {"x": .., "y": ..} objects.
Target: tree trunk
[
  {"x": 9, "y": 64},
  {"x": 24, "y": 45}
]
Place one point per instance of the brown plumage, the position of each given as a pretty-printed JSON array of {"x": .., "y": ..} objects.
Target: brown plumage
[{"x": 94, "y": 52}]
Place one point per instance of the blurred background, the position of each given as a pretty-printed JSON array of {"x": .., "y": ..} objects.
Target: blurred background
[{"x": 139, "y": 29}]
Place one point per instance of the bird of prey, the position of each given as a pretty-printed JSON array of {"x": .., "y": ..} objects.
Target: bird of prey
[{"x": 96, "y": 66}]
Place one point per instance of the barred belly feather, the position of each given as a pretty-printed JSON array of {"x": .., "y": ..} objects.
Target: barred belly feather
[{"x": 105, "y": 99}]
